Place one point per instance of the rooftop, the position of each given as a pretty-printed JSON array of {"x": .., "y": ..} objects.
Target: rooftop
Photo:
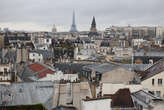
[
  {"x": 122, "y": 98},
  {"x": 101, "y": 68},
  {"x": 26, "y": 94},
  {"x": 37, "y": 70}
]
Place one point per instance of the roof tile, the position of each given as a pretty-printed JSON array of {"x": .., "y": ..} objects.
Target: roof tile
[{"x": 36, "y": 67}]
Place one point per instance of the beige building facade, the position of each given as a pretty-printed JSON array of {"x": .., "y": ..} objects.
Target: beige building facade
[{"x": 155, "y": 84}]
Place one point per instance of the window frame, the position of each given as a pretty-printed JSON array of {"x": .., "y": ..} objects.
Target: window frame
[
  {"x": 153, "y": 82},
  {"x": 160, "y": 81}
]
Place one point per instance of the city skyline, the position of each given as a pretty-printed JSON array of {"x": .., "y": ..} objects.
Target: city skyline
[{"x": 38, "y": 15}]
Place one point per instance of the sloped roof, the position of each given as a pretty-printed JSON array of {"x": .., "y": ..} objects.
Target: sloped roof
[
  {"x": 144, "y": 96},
  {"x": 37, "y": 70},
  {"x": 41, "y": 69},
  {"x": 44, "y": 73},
  {"x": 76, "y": 67},
  {"x": 155, "y": 69},
  {"x": 122, "y": 99},
  {"x": 101, "y": 68},
  {"x": 27, "y": 94},
  {"x": 36, "y": 67}
]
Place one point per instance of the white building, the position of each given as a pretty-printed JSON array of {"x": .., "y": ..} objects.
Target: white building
[
  {"x": 159, "y": 31},
  {"x": 36, "y": 57},
  {"x": 58, "y": 76},
  {"x": 120, "y": 100},
  {"x": 122, "y": 52},
  {"x": 5, "y": 67},
  {"x": 97, "y": 104}
]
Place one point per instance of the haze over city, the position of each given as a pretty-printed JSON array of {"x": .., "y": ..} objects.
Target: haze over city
[{"x": 40, "y": 15}]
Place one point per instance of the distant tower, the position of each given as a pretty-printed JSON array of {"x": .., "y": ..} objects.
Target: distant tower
[
  {"x": 54, "y": 30},
  {"x": 93, "y": 25},
  {"x": 93, "y": 30},
  {"x": 73, "y": 26}
]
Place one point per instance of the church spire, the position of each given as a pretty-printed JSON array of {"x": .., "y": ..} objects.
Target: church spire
[
  {"x": 73, "y": 26},
  {"x": 93, "y": 25},
  {"x": 93, "y": 22}
]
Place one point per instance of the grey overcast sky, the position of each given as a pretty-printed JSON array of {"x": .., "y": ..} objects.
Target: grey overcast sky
[{"x": 40, "y": 15}]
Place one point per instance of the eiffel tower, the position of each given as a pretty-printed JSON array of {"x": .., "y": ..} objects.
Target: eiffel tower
[{"x": 73, "y": 26}]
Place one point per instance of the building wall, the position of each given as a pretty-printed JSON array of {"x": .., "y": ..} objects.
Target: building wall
[
  {"x": 123, "y": 52},
  {"x": 109, "y": 88},
  {"x": 159, "y": 31},
  {"x": 158, "y": 105},
  {"x": 148, "y": 84},
  {"x": 5, "y": 77},
  {"x": 48, "y": 41},
  {"x": 78, "y": 90},
  {"x": 22, "y": 55},
  {"x": 102, "y": 104},
  {"x": 3, "y": 66},
  {"x": 36, "y": 57},
  {"x": 60, "y": 76},
  {"x": 119, "y": 75}
]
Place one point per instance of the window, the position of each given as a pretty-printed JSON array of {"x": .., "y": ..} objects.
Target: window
[
  {"x": 152, "y": 81},
  {"x": 159, "y": 81},
  {"x": 5, "y": 70},
  {"x": 158, "y": 93}
]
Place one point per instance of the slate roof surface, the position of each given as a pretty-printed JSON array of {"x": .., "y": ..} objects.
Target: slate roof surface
[
  {"x": 138, "y": 67},
  {"x": 101, "y": 68},
  {"x": 77, "y": 67},
  {"x": 155, "y": 69},
  {"x": 27, "y": 94},
  {"x": 144, "y": 96}
]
